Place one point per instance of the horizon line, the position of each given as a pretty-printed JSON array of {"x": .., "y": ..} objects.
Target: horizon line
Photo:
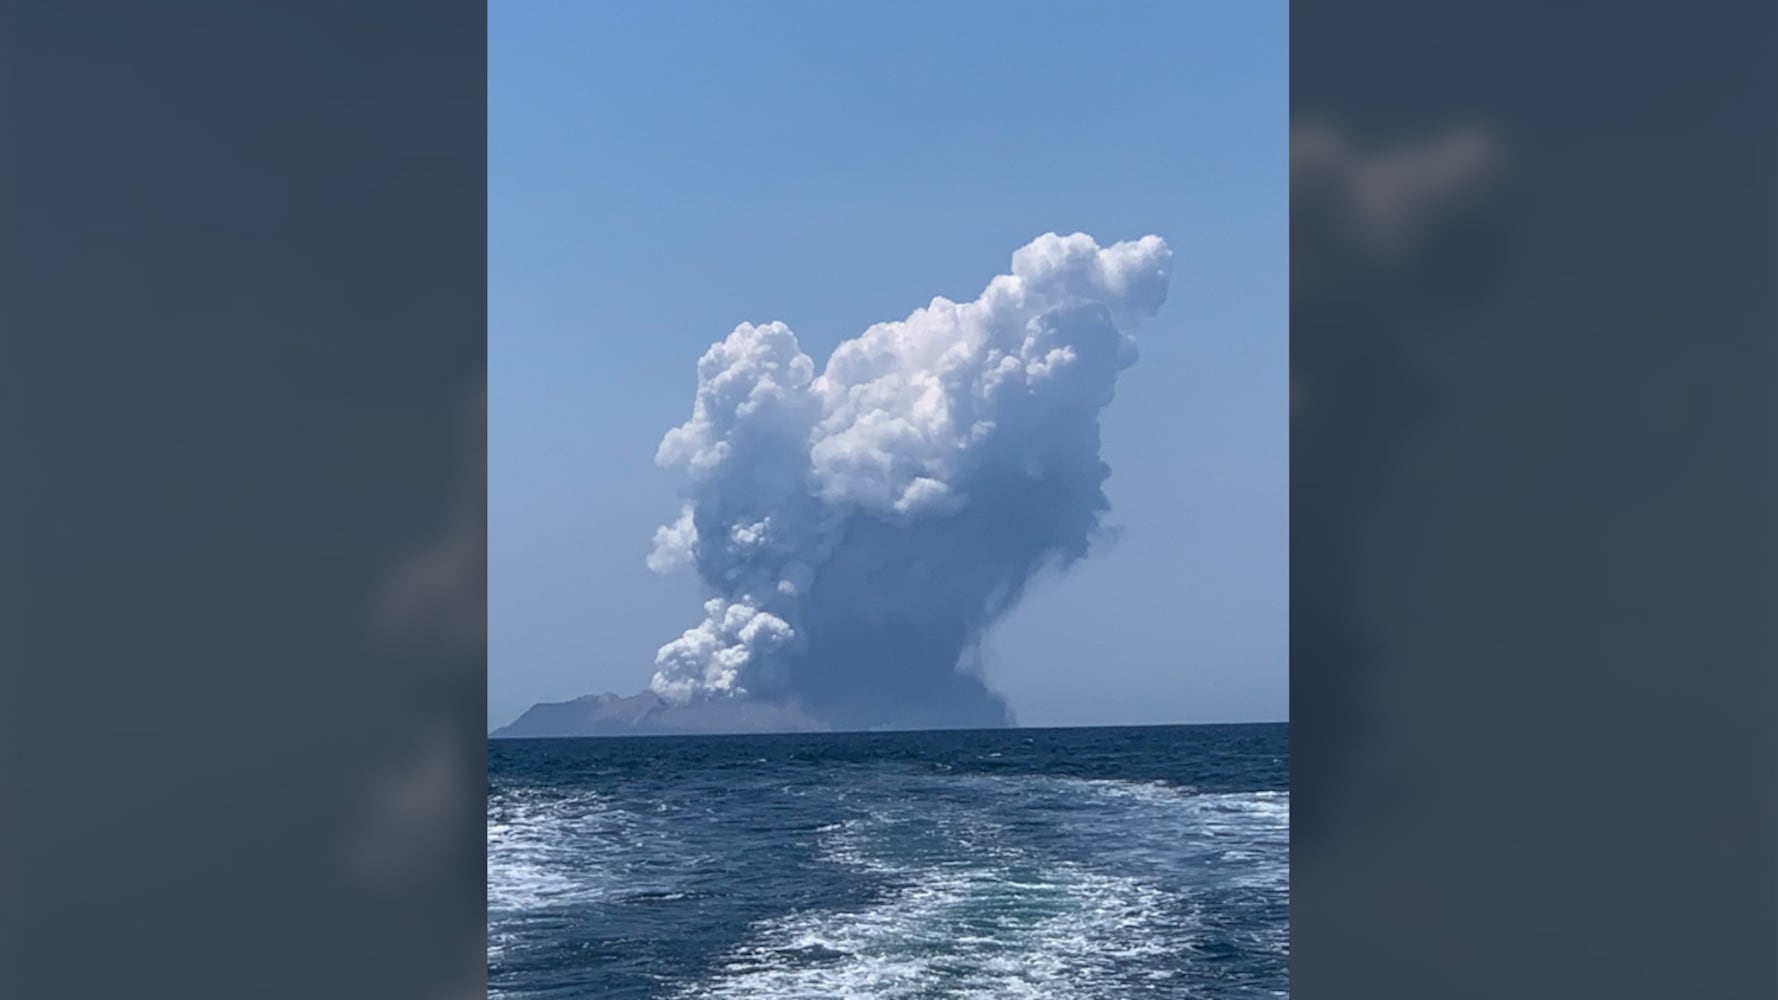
[{"x": 891, "y": 732}]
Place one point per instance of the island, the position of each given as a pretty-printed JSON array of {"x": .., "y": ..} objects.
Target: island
[{"x": 648, "y": 714}]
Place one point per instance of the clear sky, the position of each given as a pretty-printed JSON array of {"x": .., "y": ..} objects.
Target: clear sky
[{"x": 659, "y": 173}]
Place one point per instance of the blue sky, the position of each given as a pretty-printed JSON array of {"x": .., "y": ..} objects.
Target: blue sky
[{"x": 659, "y": 173}]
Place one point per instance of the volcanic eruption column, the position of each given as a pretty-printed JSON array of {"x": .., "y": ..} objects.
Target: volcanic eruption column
[{"x": 860, "y": 528}]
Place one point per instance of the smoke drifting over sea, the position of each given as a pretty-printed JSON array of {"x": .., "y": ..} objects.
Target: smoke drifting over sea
[{"x": 861, "y": 527}]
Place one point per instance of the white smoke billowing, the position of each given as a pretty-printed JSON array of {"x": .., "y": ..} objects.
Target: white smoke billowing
[{"x": 859, "y": 528}]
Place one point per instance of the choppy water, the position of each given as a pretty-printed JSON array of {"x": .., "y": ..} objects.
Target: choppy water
[{"x": 1054, "y": 864}]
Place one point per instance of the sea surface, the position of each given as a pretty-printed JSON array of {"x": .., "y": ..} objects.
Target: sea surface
[{"x": 1042, "y": 863}]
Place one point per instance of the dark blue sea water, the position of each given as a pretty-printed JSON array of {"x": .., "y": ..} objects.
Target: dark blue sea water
[{"x": 1053, "y": 864}]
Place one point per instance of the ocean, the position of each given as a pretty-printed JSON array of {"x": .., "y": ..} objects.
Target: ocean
[{"x": 1044, "y": 863}]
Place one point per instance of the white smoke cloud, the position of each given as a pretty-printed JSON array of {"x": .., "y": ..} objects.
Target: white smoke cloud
[
  {"x": 675, "y": 545},
  {"x": 864, "y": 524}
]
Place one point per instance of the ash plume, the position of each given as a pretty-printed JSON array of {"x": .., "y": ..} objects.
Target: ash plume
[{"x": 859, "y": 528}]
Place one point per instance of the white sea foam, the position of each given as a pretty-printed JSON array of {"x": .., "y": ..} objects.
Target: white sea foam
[
  {"x": 968, "y": 916},
  {"x": 537, "y": 850},
  {"x": 974, "y": 933}
]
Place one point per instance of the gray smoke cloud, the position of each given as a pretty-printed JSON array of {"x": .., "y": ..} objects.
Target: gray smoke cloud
[{"x": 859, "y": 528}]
